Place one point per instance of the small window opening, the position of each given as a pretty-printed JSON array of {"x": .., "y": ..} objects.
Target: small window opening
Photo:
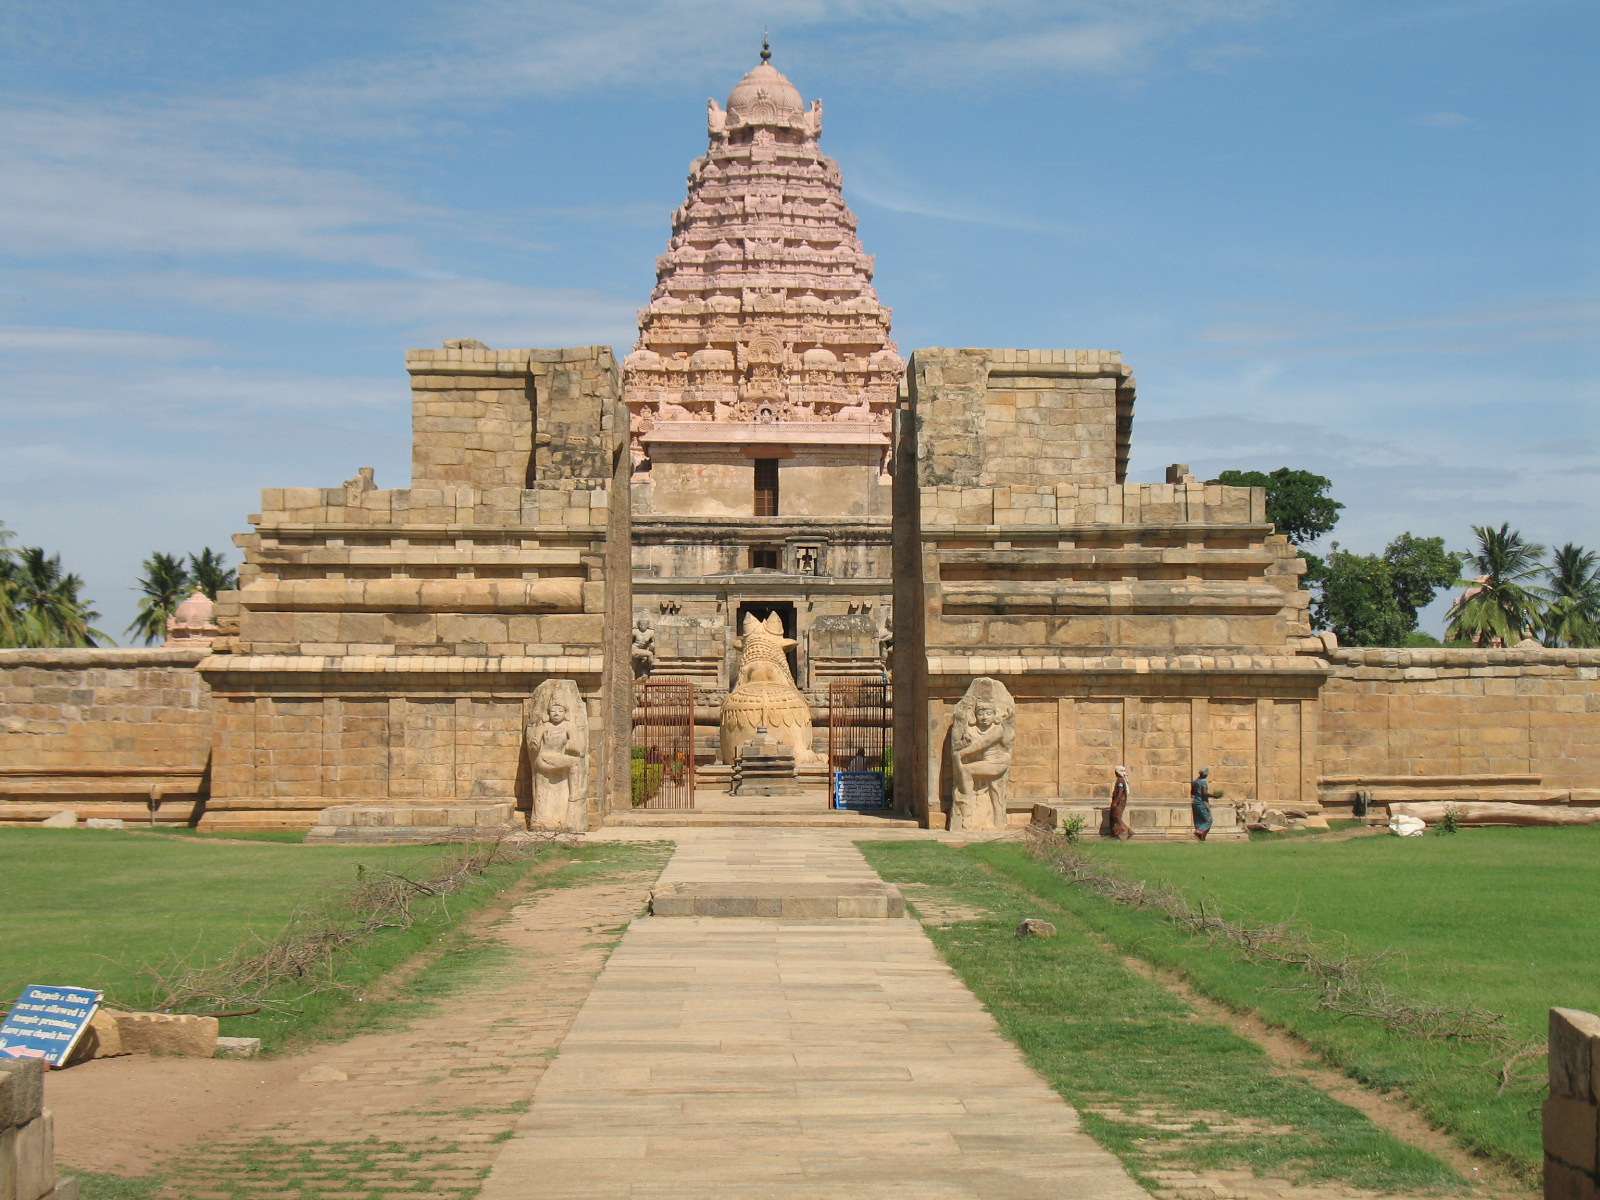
[
  {"x": 766, "y": 487},
  {"x": 766, "y": 558}
]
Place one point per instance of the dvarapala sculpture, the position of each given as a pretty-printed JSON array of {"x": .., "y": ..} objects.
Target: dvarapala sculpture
[
  {"x": 765, "y": 694},
  {"x": 981, "y": 735},
  {"x": 557, "y": 738}
]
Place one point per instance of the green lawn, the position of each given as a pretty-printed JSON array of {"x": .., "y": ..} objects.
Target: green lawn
[
  {"x": 1156, "y": 1084},
  {"x": 1502, "y": 919},
  {"x": 90, "y": 908}
]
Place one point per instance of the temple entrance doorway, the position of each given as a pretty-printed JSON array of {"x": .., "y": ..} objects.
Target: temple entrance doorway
[
  {"x": 860, "y": 761},
  {"x": 663, "y": 761},
  {"x": 761, "y": 610}
]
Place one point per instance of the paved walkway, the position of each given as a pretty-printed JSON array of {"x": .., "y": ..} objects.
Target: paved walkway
[{"x": 823, "y": 1060}]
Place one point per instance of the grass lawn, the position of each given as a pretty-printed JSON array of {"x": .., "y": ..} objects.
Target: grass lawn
[
  {"x": 90, "y": 908},
  {"x": 1501, "y": 919},
  {"x": 1156, "y": 1084}
]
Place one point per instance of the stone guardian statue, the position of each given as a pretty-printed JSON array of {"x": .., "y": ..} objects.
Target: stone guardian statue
[
  {"x": 557, "y": 740},
  {"x": 981, "y": 736},
  {"x": 765, "y": 694}
]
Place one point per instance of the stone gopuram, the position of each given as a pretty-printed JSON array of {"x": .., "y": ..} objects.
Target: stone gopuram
[
  {"x": 761, "y": 396},
  {"x": 763, "y": 500}
]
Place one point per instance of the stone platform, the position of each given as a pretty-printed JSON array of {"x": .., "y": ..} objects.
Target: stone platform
[
  {"x": 806, "y": 808},
  {"x": 400, "y": 823},
  {"x": 792, "y": 900},
  {"x": 1151, "y": 821}
]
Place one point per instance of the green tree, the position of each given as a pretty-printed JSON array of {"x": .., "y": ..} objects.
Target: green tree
[
  {"x": 209, "y": 571},
  {"x": 165, "y": 584},
  {"x": 10, "y": 613},
  {"x": 1500, "y": 603},
  {"x": 1374, "y": 599},
  {"x": 53, "y": 615},
  {"x": 1297, "y": 501},
  {"x": 1573, "y": 615}
]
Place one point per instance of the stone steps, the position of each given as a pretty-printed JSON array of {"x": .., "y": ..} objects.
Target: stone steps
[
  {"x": 681, "y": 818},
  {"x": 784, "y": 899}
]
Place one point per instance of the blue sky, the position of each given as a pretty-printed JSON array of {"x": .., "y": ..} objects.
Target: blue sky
[{"x": 1359, "y": 238}]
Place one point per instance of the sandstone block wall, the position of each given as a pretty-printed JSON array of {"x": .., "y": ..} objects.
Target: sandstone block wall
[
  {"x": 384, "y": 643},
  {"x": 1027, "y": 418},
  {"x": 1572, "y": 1113},
  {"x": 1465, "y": 724},
  {"x": 99, "y": 731},
  {"x": 1153, "y": 625}
]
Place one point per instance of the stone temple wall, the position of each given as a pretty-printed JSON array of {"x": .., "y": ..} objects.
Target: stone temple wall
[
  {"x": 102, "y": 732},
  {"x": 1159, "y": 626},
  {"x": 1515, "y": 724},
  {"x": 384, "y": 645}
]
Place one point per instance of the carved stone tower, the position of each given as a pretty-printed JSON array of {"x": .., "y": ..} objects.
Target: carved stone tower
[{"x": 761, "y": 395}]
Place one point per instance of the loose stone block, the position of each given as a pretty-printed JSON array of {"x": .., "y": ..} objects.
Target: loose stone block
[
  {"x": 168, "y": 1034},
  {"x": 238, "y": 1047}
]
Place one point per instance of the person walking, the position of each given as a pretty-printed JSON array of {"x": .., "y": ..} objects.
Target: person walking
[
  {"x": 1120, "y": 829},
  {"x": 1200, "y": 801}
]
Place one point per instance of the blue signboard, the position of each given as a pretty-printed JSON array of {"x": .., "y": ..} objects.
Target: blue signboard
[
  {"x": 859, "y": 789},
  {"x": 47, "y": 1022}
]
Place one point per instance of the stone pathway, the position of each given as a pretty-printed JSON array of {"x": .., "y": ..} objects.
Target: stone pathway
[
  {"x": 824, "y": 1060},
  {"x": 420, "y": 1113}
]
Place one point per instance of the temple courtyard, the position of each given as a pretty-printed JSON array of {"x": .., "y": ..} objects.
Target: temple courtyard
[{"x": 570, "y": 1043}]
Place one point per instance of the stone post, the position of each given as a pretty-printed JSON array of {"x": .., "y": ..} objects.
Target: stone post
[
  {"x": 27, "y": 1142},
  {"x": 1572, "y": 1113}
]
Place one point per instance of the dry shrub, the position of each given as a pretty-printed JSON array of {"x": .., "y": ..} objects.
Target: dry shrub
[{"x": 306, "y": 956}]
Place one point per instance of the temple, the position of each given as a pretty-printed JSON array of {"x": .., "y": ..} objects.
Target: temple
[{"x": 765, "y": 538}]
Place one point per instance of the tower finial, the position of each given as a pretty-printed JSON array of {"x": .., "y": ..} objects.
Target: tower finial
[{"x": 766, "y": 47}]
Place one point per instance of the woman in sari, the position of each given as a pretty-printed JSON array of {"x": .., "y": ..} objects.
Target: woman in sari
[{"x": 1120, "y": 829}]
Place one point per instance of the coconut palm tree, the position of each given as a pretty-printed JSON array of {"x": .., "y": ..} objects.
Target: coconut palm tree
[
  {"x": 1500, "y": 605},
  {"x": 53, "y": 615},
  {"x": 1573, "y": 615},
  {"x": 10, "y": 615},
  {"x": 208, "y": 572},
  {"x": 166, "y": 584}
]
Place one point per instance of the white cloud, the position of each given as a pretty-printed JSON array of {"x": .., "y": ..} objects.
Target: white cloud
[
  {"x": 167, "y": 180},
  {"x": 1471, "y": 332},
  {"x": 502, "y": 314},
  {"x": 99, "y": 343}
]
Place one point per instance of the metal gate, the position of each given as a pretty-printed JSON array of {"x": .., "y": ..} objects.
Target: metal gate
[
  {"x": 858, "y": 743},
  {"x": 662, "y": 770}
]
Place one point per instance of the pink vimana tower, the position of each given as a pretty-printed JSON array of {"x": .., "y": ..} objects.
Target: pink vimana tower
[
  {"x": 764, "y": 310},
  {"x": 761, "y": 395}
]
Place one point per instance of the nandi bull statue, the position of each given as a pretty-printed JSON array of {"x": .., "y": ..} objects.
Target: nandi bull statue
[{"x": 765, "y": 695}]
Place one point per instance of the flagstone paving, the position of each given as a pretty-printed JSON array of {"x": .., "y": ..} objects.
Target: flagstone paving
[{"x": 745, "y": 1057}]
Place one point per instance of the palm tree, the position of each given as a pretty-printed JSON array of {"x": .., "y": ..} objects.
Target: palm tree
[
  {"x": 10, "y": 614},
  {"x": 165, "y": 584},
  {"x": 53, "y": 615},
  {"x": 1499, "y": 605},
  {"x": 208, "y": 572},
  {"x": 1573, "y": 616}
]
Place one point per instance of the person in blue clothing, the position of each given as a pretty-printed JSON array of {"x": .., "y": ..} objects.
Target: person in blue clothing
[{"x": 1200, "y": 800}]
